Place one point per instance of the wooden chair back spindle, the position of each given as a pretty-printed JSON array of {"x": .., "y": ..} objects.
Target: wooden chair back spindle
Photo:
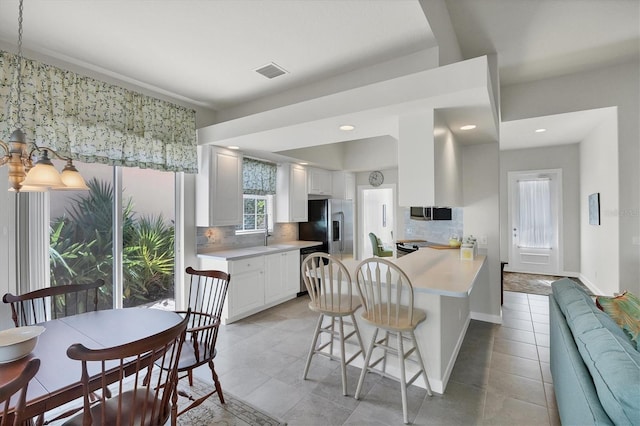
[{"x": 53, "y": 302}]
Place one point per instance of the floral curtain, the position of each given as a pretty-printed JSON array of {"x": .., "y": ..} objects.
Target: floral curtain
[
  {"x": 258, "y": 177},
  {"x": 94, "y": 121}
]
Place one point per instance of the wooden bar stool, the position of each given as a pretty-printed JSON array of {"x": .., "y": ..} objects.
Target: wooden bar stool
[
  {"x": 329, "y": 285},
  {"x": 387, "y": 298}
]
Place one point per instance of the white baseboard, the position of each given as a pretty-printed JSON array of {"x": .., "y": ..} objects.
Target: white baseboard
[
  {"x": 591, "y": 286},
  {"x": 495, "y": 319},
  {"x": 559, "y": 274}
]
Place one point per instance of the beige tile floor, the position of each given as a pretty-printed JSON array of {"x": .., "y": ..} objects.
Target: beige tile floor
[{"x": 501, "y": 375}]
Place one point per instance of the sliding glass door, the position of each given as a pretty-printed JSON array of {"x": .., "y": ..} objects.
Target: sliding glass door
[{"x": 137, "y": 261}]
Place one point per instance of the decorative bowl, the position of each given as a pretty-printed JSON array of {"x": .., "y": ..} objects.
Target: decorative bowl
[{"x": 18, "y": 342}]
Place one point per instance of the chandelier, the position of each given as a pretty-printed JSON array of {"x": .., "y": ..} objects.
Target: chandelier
[{"x": 24, "y": 176}]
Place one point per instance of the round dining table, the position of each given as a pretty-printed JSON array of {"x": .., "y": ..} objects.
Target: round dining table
[{"x": 58, "y": 379}]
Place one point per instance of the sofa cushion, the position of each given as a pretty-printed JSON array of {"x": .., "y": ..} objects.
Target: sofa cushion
[
  {"x": 574, "y": 302},
  {"x": 612, "y": 360},
  {"x": 625, "y": 311}
]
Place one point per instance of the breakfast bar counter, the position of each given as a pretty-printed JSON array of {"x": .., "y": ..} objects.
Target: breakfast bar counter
[{"x": 443, "y": 287}]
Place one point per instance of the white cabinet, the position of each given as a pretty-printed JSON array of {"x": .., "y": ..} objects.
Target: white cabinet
[
  {"x": 257, "y": 282},
  {"x": 282, "y": 277},
  {"x": 246, "y": 286},
  {"x": 218, "y": 187},
  {"x": 291, "y": 193},
  {"x": 344, "y": 185},
  {"x": 320, "y": 181}
]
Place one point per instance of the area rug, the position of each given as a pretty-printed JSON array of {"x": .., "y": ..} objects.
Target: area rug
[
  {"x": 532, "y": 283},
  {"x": 234, "y": 412}
]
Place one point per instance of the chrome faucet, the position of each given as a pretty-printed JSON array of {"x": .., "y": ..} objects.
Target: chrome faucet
[{"x": 266, "y": 229}]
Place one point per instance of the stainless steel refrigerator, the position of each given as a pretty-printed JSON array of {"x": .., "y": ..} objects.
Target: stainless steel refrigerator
[{"x": 330, "y": 221}]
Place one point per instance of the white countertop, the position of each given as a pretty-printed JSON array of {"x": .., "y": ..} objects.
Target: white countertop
[
  {"x": 435, "y": 271},
  {"x": 245, "y": 252}
]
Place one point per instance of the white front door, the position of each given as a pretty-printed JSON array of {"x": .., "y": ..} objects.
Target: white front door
[{"x": 535, "y": 212}]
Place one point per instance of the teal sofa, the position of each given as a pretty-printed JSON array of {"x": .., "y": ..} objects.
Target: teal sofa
[{"x": 595, "y": 366}]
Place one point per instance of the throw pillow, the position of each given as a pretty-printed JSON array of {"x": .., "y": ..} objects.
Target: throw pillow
[{"x": 625, "y": 311}]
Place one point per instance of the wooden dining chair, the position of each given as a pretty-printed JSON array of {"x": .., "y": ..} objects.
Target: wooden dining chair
[
  {"x": 207, "y": 294},
  {"x": 53, "y": 302},
  {"x": 143, "y": 378},
  {"x": 12, "y": 409}
]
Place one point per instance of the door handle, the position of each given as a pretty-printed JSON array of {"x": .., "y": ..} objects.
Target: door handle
[
  {"x": 384, "y": 215},
  {"x": 341, "y": 224}
]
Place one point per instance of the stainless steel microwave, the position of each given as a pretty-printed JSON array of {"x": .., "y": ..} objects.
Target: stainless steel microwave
[{"x": 430, "y": 213}]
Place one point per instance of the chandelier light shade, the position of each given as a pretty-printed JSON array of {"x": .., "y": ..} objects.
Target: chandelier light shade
[
  {"x": 43, "y": 174},
  {"x": 72, "y": 179},
  {"x": 23, "y": 175}
]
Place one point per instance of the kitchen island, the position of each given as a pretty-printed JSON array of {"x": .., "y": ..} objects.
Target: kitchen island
[{"x": 443, "y": 287}]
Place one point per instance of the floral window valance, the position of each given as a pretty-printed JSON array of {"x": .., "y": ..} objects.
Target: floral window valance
[
  {"x": 258, "y": 177},
  {"x": 94, "y": 121}
]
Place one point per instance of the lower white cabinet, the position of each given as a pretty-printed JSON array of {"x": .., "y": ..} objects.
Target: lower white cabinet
[
  {"x": 257, "y": 282},
  {"x": 247, "y": 285},
  {"x": 282, "y": 277}
]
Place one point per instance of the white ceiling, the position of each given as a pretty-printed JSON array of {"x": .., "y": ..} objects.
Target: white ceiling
[
  {"x": 203, "y": 53},
  {"x": 560, "y": 129},
  {"x": 536, "y": 39}
]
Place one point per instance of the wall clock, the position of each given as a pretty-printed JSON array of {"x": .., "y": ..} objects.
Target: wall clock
[{"x": 376, "y": 178}]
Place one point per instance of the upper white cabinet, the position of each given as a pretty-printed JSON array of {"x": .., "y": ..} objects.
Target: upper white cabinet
[
  {"x": 218, "y": 187},
  {"x": 320, "y": 181},
  {"x": 291, "y": 193},
  {"x": 344, "y": 185},
  {"x": 429, "y": 162}
]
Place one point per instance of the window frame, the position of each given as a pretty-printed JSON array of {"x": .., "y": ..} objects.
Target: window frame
[
  {"x": 39, "y": 220},
  {"x": 268, "y": 212}
]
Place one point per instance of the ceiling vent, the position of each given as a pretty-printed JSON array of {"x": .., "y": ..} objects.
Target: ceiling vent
[{"x": 271, "y": 70}]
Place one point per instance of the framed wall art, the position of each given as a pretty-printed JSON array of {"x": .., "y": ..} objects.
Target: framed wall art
[{"x": 594, "y": 209}]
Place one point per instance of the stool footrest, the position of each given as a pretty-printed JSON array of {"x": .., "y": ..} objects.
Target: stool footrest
[{"x": 413, "y": 379}]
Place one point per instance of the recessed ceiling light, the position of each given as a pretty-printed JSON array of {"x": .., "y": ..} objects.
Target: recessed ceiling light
[
  {"x": 233, "y": 147},
  {"x": 541, "y": 130},
  {"x": 468, "y": 127},
  {"x": 347, "y": 127}
]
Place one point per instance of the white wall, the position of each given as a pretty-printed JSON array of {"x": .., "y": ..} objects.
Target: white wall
[
  {"x": 565, "y": 157},
  {"x": 6, "y": 241},
  {"x": 447, "y": 165},
  {"x": 600, "y": 244},
  {"x": 439, "y": 21},
  {"x": 611, "y": 86},
  {"x": 481, "y": 183}
]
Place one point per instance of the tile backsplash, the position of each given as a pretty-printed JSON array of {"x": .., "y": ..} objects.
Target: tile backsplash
[
  {"x": 437, "y": 231},
  {"x": 225, "y": 238}
]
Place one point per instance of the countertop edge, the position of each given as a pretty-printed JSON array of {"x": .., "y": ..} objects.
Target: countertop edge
[{"x": 248, "y": 252}]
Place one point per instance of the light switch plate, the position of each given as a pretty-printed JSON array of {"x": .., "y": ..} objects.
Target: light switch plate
[{"x": 482, "y": 240}]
